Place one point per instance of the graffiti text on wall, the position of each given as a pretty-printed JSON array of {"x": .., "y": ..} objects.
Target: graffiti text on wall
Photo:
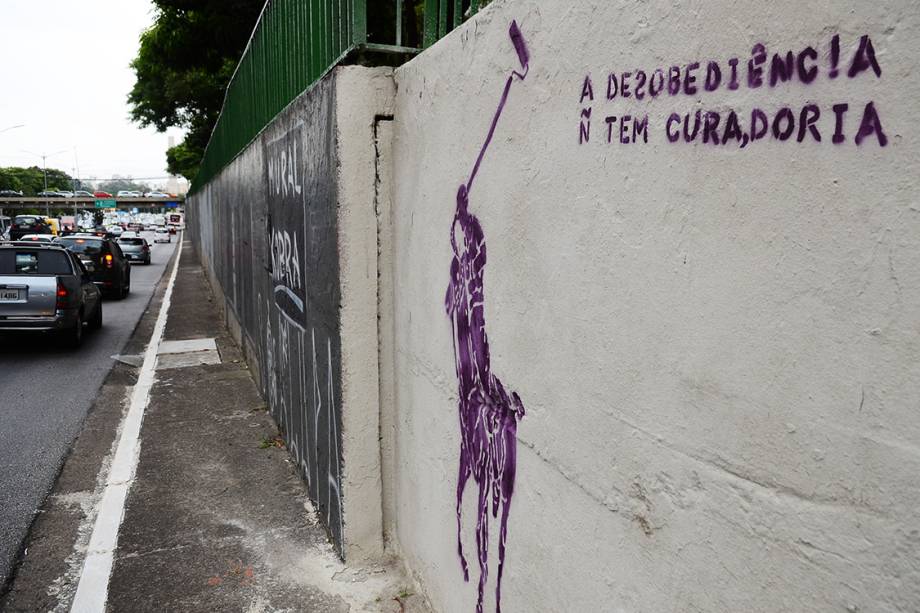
[
  {"x": 856, "y": 122},
  {"x": 488, "y": 413}
]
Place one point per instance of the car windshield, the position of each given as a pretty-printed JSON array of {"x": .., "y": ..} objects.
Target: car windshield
[
  {"x": 88, "y": 246},
  {"x": 34, "y": 262}
]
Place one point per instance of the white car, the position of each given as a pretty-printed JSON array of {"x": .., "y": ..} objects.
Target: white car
[
  {"x": 162, "y": 236},
  {"x": 114, "y": 230}
]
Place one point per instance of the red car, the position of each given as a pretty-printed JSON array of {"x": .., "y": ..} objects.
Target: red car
[{"x": 102, "y": 195}]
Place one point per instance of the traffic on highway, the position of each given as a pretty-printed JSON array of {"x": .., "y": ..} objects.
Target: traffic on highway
[{"x": 55, "y": 272}]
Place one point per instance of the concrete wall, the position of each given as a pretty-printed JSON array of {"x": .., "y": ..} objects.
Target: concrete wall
[
  {"x": 715, "y": 345},
  {"x": 288, "y": 236}
]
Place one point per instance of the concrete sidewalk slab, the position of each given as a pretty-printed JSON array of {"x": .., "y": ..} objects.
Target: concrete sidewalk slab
[{"x": 187, "y": 346}]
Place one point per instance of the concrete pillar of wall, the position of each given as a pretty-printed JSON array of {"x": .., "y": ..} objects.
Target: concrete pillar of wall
[{"x": 364, "y": 97}]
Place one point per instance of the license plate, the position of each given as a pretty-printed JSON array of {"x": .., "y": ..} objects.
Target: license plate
[{"x": 10, "y": 295}]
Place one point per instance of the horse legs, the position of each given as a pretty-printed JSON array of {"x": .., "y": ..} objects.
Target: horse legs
[{"x": 462, "y": 477}]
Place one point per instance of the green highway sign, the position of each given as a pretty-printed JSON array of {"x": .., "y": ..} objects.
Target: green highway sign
[{"x": 105, "y": 203}]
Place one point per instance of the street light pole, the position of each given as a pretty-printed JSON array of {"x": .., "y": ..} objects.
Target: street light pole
[{"x": 44, "y": 157}]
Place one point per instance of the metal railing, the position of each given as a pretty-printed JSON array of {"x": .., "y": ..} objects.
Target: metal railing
[{"x": 297, "y": 41}]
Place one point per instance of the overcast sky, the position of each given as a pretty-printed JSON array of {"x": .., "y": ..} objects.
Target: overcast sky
[{"x": 64, "y": 73}]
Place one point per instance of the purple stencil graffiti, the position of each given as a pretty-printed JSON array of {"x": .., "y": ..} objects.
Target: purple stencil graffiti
[{"x": 488, "y": 414}]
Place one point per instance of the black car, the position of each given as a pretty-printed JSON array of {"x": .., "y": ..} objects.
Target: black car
[
  {"x": 103, "y": 258},
  {"x": 135, "y": 249},
  {"x": 28, "y": 224},
  {"x": 45, "y": 288},
  {"x": 10, "y": 193}
]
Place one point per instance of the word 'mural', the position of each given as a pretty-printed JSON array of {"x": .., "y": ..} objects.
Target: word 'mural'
[{"x": 740, "y": 128}]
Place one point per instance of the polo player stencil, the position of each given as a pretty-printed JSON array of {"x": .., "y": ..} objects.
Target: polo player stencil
[{"x": 488, "y": 413}]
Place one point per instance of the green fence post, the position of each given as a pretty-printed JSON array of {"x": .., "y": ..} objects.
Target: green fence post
[
  {"x": 360, "y": 22},
  {"x": 431, "y": 22}
]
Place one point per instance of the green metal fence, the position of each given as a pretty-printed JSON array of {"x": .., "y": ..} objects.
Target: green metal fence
[{"x": 297, "y": 41}]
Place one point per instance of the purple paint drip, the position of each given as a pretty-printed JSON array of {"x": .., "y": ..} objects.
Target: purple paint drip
[{"x": 488, "y": 414}]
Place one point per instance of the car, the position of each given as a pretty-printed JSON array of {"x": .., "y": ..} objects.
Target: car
[
  {"x": 156, "y": 195},
  {"x": 28, "y": 224},
  {"x": 161, "y": 235},
  {"x": 98, "y": 194},
  {"x": 104, "y": 260},
  {"x": 38, "y": 238},
  {"x": 114, "y": 230},
  {"x": 49, "y": 193},
  {"x": 135, "y": 248},
  {"x": 82, "y": 193},
  {"x": 10, "y": 193},
  {"x": 45, "y": 288},
  {"x": 125, "y": 193}
]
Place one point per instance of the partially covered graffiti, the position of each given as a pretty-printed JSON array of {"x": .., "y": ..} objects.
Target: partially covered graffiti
[
  {"x": 302, "y": 341},
  {"x": 488, "y": 413}
]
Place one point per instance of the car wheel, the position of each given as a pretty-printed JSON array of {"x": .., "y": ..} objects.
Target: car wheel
[
  {"x": 126, "y": 288},
  {"x": 73, "y": 338},
  {"x": 96, "y": 322}
]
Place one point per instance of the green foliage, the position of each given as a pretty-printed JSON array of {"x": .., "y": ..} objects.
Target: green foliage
[
  {"x": 184, "y": 159},
  {"x": 185, "y": 60},
  {"x": 31, "y": 181}
]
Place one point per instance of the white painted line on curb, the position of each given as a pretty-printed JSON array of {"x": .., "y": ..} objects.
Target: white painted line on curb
[{"x": 93, "y": 586}]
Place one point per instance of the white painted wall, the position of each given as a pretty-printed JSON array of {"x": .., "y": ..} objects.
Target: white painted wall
[{"x": 717, "y": 347}]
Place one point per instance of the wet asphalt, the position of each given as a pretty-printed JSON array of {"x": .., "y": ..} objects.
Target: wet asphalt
[{"x": 45, "y": 394}]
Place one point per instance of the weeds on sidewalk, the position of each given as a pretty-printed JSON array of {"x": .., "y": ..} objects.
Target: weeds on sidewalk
[{"x": 273, "y": 441}]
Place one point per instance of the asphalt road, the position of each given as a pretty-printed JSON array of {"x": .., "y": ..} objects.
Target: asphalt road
[{"x": 45, "y": 394}]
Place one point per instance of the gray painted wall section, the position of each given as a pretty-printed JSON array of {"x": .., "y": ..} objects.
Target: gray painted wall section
[{"x": 267, "y": 230}]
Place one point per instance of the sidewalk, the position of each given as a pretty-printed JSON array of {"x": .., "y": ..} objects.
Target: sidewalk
[{"x": 216, "y": 518}]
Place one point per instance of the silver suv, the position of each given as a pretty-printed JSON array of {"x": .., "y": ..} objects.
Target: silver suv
[{"x": 45, "y": 288}]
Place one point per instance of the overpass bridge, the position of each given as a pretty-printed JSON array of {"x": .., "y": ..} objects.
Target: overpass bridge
[{"x": 12, "y": 206}]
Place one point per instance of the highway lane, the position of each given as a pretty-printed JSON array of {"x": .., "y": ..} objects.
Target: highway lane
[{"x": 45, "y": 394}]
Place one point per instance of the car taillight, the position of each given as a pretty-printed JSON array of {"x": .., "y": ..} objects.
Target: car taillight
[
  {"x": 63, "y": 296},
  {"x": 108, "y": 260}
]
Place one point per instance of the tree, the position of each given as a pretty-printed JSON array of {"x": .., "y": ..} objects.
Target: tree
[
  {"x": 31, "y": 181},
  {"x": 185, "y": 60},
  {"x": 184, "y": 159}
]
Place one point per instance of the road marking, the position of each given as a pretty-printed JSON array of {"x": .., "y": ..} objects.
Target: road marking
[{"x": 93, "y": 586}]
